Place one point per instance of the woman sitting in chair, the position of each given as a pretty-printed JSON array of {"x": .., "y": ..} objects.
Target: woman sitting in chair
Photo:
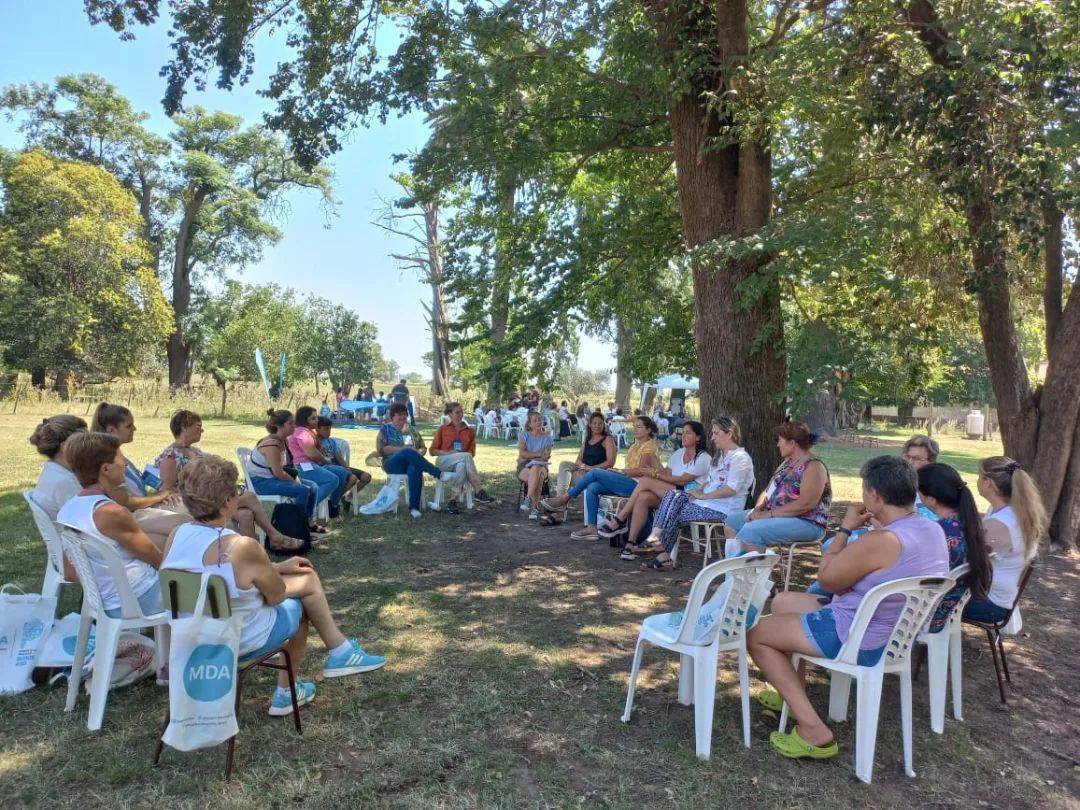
[
  {"x": 598, "y": 452},
  {"x": 906, "y": 545},
  {"x": 56, "y": 484},
  {"x": 946, "y": 494},
  {"x": 270, "y": 473},
  {"x": 795, "y": 506},
  {"x": 274, "y": 601},
  {"x": 401, "y": 449},
  {"x": 187, "y": 431},
  {"x": 312, "y": 463},
  {"x": 730, "y": 479},
  {"x": 534, "y": 454},
  {"x": 642, "y": 459},
  {"x": 97, "y": 462},
  {"x": 1014, "y": 526},
  {"x": 687, "y": 469}
]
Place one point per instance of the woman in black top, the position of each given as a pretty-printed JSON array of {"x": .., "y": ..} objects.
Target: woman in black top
[{"x": 598, "y": 452}]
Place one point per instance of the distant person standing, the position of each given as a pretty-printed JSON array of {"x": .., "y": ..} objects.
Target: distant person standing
[{"x": 399, "y": 395}]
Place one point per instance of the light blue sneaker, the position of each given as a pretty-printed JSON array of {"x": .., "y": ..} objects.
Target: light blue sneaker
[
  {"x": 351, "y": 662},
  {"x": 281, "y": 705}
]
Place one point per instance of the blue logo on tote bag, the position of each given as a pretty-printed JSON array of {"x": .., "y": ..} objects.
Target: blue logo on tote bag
[{"x": 208, "y": 674}]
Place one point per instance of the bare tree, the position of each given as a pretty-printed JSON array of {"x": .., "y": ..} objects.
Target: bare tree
[{"x": 416, "y": 218}]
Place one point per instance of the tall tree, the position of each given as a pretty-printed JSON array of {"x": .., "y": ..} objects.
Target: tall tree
[
  {"x": 78, "y": 293},
  {"x": 988, "y": 91},
  {"x": 208, "y": 195},
  {"x": 415, "y": 216}
]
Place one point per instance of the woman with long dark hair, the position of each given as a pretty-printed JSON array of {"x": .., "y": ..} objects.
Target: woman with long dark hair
[
  {"x": 946, "y": 494},
  {"x": 688, "y": 467}
]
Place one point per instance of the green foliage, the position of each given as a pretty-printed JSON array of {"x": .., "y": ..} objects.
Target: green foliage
[
  {"x": 77, "y": 291},
  {"x": 338, "y": 344}
]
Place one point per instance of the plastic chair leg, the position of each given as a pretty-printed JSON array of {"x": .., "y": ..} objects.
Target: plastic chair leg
[
  {"x": 956, "y": 669},
  {"x": 687, "y": 678},
  {"x": 868, "y": 704},
  {"x": 744, "y": 693},
  {"x": 937, "y": 658},
  {"x": 839, "y": 695},
  {"x": 638, "y": 650},
  {"x": 79, "y": 658},
  {"x": 905, "y": 717},
  {"x": 704, "y": 664},
  {"x": 106, "y": 642},
  {"x": 162, "y": 640},
  {"x": 789, "y": 552}
]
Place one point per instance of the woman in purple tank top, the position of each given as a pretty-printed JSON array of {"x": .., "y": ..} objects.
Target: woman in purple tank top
[{"x": 906, "y": 545}]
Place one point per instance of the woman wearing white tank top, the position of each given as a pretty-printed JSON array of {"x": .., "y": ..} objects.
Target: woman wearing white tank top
[
  {"x": 97, "y": 462},
  {"x": 275, "y": 601},
  {"x": 1014, "y": 526}
]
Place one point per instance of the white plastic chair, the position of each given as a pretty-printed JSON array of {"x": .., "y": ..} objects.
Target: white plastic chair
[
  {"x": 787, "y": 551},
  {"x": 54, "y": 549},
  {"x": 618, "y": 430},
  {"x": 921, "y": 595},
  {"x": 723, "y": 629},
  {"x": 944, "y": 660},
  {"x": 440, "y": 490},
  {"x": 702, "y": 534},
  {"x": 243, "y": 456},
  {"x": 107, "y": 637},
  {"x": 352, "y": 496}
]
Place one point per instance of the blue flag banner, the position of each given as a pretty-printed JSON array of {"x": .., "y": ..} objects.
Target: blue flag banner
[{"x": 260, "y": 363}]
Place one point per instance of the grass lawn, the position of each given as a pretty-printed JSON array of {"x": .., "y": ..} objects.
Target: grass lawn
[{"x": 509, "y": 647}]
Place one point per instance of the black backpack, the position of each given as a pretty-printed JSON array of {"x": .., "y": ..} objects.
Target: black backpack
[{"x": 291, "y": 521}]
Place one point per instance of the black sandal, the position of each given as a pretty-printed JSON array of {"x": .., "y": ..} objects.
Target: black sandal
[
  {"x": 317, "y": 529},
  {"x": 656, "y": 564},
  {"x": 607, "y": 533},
  {"x": 550, "y": 520}
]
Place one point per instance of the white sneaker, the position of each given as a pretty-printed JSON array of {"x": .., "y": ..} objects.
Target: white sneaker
[
  {"x": 415, "y": 513},
  {"x": 524, "y": 506},
  {"x": 534, "y": 515}
]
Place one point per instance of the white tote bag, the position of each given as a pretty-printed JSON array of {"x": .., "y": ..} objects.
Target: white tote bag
[
  {"x": 25, "y": 621},
  {"x": 386, "y": 501},
  {"x": 202, "y": 679}
]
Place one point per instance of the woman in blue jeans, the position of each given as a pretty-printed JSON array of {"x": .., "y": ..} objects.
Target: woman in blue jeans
[
  {"x": 643, "y": 457},
  {"x": 267, "y": 474},
  {"x": 795, "y": 505},
  {"x": 312, "y": 463},
  {"x": 401, "y": 448}
]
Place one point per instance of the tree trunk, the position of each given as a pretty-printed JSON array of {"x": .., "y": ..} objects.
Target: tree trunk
[
  {"x": 1018, "y": 415},
  {"x": 37, "y": 377},
  {"x": 440, "y": 335},
  {"x": 224, "y": 393},
  {"x": 177, "y": 348},
  {"x": 498, "y": 385},
  {"x": 622, "y": 376},
  {"x": 1053, "y": 263},
  {"x": 726, "y": 192},
  {"x": 62, "y": 385}
]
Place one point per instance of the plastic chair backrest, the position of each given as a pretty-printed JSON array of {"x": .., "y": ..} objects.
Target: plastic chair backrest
[
  {"x": 746, "y": 573},
  {"x": 920, "y": 594},
  {"x": 343, "y": 449},
  {"x": 243, "y": 455},
  {"x": 180, "y": 593},
  {"x": 78, "y": 545},
  {"x": 54, "y": 546}
]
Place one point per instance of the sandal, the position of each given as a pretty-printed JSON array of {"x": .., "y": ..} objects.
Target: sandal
[
  {"x": 795, "y": 747},
  {"x": 656, "y": 564},
  {"x": 549, "y": 505},
  {"x": 550, "y": 520},
  {"x": 652, "y": 548},
  {"x": 290, "y": 545},
  {"x": 613, "y": 528},
  {"x": 584, "y": 534},
  {"x": 628, "y": 554},
  {"x": 317, "y": 529}
]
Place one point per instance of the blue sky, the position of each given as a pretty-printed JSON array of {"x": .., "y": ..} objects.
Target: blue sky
[{"x": 349, "y": 261}]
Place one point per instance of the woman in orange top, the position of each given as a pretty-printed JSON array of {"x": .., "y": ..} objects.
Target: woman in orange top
[{"x": 453, "y": 447}]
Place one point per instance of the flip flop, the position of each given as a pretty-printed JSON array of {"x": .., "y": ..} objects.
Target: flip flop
[
  {"x": 793, "y": 746},
  {"x": 770, "y": 699},
  {"x": 656, "y": 564}
]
